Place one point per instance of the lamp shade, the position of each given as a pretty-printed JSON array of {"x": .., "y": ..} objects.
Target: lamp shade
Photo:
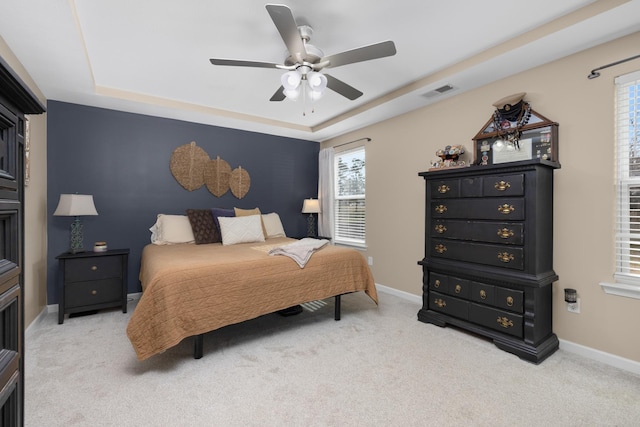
[
  {"x": 311, "y": 206},
  {"x": 75, "y": 205}
]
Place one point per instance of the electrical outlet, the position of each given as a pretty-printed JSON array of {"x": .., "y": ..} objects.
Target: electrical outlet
[
  {"x": 370, "y": 260},
  {"x": 574, "y": 307}
]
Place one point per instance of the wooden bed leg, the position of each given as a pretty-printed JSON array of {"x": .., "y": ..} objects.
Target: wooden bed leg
[
  {"x": 198, "y": 344},
  {"x": 337, "y": 314}
]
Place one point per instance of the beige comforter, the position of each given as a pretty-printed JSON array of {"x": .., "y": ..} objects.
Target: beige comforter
[{"x": 192, "y": 289}]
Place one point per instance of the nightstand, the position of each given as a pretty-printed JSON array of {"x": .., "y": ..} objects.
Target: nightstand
[{"x": 92, "y": 281}]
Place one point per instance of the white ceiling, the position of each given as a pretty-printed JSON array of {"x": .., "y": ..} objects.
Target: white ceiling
[{"x": 152, "y": 56}]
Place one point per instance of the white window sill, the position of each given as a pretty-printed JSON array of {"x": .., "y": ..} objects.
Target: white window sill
[
  {"x": 350, "y": 245},
  {"x": 620, "y": 289}
]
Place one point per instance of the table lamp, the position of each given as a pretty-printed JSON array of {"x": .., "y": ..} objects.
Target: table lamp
[
  {"x": 76, "y": 205},
  {"x": 311, "y": 206}
]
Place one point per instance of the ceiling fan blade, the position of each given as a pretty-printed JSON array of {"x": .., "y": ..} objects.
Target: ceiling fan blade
[
  {"x": 279, "y": 95},
  {"x": 342, "y": 88},
  {"x": 365, "y": 53},
  {"x": 283, "y": 19},
  {"x": 243, "y": 63}
]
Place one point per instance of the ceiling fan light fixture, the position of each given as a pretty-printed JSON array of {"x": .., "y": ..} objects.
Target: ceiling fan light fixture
[
  {"x": 291, "y": 80},
  {"x": 314, "y": 95},
  {"x": 292, "y": 94},
  {"x": 317, "y": 81}
]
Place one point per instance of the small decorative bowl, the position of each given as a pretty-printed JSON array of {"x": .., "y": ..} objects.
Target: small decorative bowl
[{"x": 100, "y": 247}]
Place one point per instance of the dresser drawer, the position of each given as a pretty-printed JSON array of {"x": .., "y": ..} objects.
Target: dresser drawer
[
  {"x": 479, "y": 231},
  {"x": 495, "y": 255},
  {"x": 80, "y": 294},
  {"x": 505, "y": 209},
  {"x": 508, "y": 323},
  {"x": 483, "y": 293},
  {"x": 93, "y": 268},
  {"x": 449, "y": 305},
  {"x": 459, "y": 287},
  {"x": 509, "y": 299},
  {"x": 439, "y": 282},
  {"x": 446, "y": 188},
  {"x": 503, "y": 185}
]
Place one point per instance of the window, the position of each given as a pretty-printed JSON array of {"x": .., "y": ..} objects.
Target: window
[
  {"x": 350, "y": 180},
  {"x": 627, "y": 115}
]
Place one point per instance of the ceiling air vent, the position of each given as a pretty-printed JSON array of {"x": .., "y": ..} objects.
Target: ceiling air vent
[{"x": 437, "y": 91}]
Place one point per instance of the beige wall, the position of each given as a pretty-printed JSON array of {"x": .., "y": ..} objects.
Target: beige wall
[
  {"x": 35, "y": 286},
  {"x": 584, "y": 187}
]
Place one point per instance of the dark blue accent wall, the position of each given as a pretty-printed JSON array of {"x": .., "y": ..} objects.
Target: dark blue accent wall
[{"x": 122, "y": 159}]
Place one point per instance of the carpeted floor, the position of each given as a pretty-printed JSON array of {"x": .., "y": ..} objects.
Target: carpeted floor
[{"x": 378, "y": 366}]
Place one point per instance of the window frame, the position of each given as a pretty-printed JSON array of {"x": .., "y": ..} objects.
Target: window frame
[
  {"x": 338, "y": 237},
  {"x": 627, "y": 229}
]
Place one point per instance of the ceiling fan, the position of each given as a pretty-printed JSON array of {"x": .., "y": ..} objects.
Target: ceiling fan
[{"x": 305, "y": 61}]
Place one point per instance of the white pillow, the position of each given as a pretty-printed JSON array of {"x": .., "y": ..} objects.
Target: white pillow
[
  {"x": 170, "y": 229},
  {"x": 241, "y": 229},
  {"x": 273, "y": 225}
]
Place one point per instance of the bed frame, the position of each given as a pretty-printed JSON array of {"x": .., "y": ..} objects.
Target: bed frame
[{"x": 199, "y": 339}]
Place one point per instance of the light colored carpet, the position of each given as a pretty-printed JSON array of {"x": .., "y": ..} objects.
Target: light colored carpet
[{"x": 378, "y": 366}]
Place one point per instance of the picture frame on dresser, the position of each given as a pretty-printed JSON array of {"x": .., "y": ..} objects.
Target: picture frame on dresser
[{"x": 503, "y": 143}]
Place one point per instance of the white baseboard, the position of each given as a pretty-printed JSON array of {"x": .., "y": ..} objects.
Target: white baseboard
[
  {"x": 53, "y": 308},
  {"x": 591, "y": 353},
  {"x": 606, "y": 358},
  {"x": 39, "y": 317},
  {"x": 401, "y": 294}
]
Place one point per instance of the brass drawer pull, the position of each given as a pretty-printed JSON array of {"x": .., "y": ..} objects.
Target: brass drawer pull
[
  {"x": 505, "y": 257},
  {"x": 510, "y": 301},
  {"x": 505, "y": 233},
  {"x": 441, "y": 209},
  {"x": 502, "y": 186},
  {"x": 441, "y": 249},
  {"x": 440, "y": 302},
  {"x": 483, "y": 294},
  {"x": 505, "y": 322},
  {"x": 458, "y": 289},
  {"x": 506, "y": 209},
  {"x": 436, "y": 284},
  {"x": 94, "y": 268},
  {"x": 440, "y": 228},
  {"x": 442, "y": 189},
  {"x": 94, "y": 292}
]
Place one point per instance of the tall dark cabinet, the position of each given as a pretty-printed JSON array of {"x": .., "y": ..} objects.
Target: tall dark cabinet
[
  {"x": 16, "y": 100},
  {"x": 488, "y": 265}
]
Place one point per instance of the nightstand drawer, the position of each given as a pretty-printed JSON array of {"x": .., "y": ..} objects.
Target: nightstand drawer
[
  {"x": 80, "y": 294},
  {"x": 93, "y": 268}
]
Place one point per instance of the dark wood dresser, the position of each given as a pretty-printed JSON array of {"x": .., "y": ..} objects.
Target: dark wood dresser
[
  {"x": 488, "y": 265},
  {"x": 16, "y": 101}
]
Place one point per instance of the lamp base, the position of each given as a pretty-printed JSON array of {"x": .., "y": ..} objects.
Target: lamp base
[
  {"x": 311, "y": 226},
  {"x": 76, "y": 237}
]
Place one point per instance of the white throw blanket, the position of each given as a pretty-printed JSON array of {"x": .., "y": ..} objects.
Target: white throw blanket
[{"x": 299, "y": 251}]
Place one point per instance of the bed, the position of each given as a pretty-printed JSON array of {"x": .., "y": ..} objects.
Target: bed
[{"x": 189, "y": 290}]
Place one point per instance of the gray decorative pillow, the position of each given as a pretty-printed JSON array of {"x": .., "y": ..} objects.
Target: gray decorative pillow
[{"x": 203, "y": 226}]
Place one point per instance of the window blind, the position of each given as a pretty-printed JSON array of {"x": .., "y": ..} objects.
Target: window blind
[
  {"x": 350, "y": 206},
  {"x": 627, "y": 126}
]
